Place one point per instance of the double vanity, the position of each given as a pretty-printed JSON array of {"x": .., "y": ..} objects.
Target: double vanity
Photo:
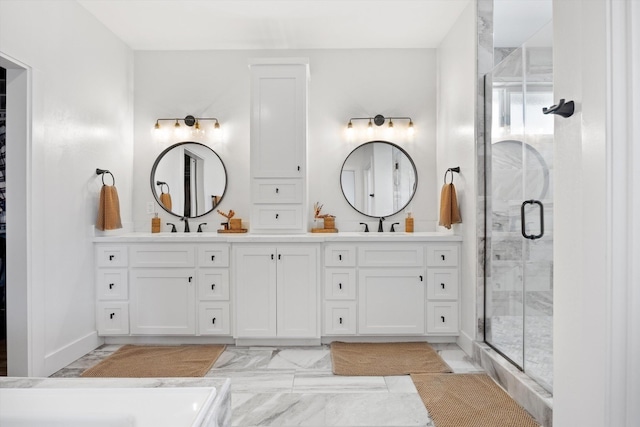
[
  {"x": 278, "y": 289},
  {"x": 279, "y": 284}
]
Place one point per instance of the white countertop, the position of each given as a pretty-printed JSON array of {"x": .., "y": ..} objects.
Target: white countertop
[{"x": 209, "y": 237}]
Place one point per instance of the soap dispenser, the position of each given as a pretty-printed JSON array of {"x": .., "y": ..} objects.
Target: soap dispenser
[
  {"x": 408, "y": 223},
  {"x": 155, "y": 224}
]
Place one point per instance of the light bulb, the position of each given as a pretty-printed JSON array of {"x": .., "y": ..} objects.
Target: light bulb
[
  {"x": 350, "y": 130},
  {"x": 370, "y": 127},
  {"x": 411, "y": 129}
]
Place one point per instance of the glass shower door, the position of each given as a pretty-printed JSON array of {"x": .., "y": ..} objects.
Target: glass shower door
[{"x": 518, "y": 291}]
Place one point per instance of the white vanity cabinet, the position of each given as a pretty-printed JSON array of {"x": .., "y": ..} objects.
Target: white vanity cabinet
[
  {"x": 163, "y": 289},
  {"x": 278, "y": 146},
  {"x": 276, "y": 290},
  {"x": 442, "y": 289}
]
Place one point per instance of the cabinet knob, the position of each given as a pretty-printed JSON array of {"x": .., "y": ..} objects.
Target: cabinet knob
[
  {"x": 277, "y": 215},
  {"x": 111, "y": 315},
  {"x": 421, "y": 278},
  {"x": 279, "y": 256},
  {"x": 442, "y": 317},
  {"x": 340, "y": 320},
  {"x": 213, "y": 286},
  {"x": 298, "y": 168},
  {"x": 443, "y": 257},
  {"x": 277, "y": 190},
  {"x": 190, "y": 278},
  {"x": 442, "y": 284},
  {"x": 339, "y": 285},
  {"x": 213, "y": 321},
  {"x": 213, "y": 257},
  {"x": 111, "y": 285},
  {"x": 111, "y": 257},
  {"x": 271, "y": 256},
  {"x": 340, "y": 257}
]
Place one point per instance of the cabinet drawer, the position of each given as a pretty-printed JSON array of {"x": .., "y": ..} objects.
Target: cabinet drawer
[
  {"x": 442, "y": 256},
  {"x": 277, "y": 191},
  {"x": 339, "y": 256},
  {"x": 213, "y": 318},
  {"x": 277, "y": 217},
  {"x": 213, "y": 256},
  {"x": 442, "y": 318},
  {"x": 340, "y": 283},
  {"x": 213, "y": 284},
  {"x": 112, "y": 284},
  {"x": 163, "y": 256},
  {"x": 339, "y": 318},
  {"x": 391, "y": 256},
  {"x": 442, "y": 283},
  {"x": 111, "y": 256},
  {"x": 113, "y": 318}
]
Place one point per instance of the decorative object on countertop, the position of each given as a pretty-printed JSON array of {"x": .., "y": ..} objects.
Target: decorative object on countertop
[
  {"x": 233, "y": 225},
  {"x": 379, "y": 120},
  {"x": 329, "y": 220},
  {"x": 155, "y": 224},
  {"x": 165, "y": 198},
  {"x": 109, "y": 205},
  {"x": 449, "y": 210},
  {"x": 408, "y": 223}
]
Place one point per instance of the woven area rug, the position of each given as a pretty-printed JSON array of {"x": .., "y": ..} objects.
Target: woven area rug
[
  {"x": 384, "y": 359},
  {"x": 133, "y": 361},
  {"x": 469, "y": 400}
]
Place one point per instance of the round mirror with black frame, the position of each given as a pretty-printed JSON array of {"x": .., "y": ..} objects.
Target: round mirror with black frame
[
  {"x": 378, "y": 179},
  {"x": 188, "y": 179}
]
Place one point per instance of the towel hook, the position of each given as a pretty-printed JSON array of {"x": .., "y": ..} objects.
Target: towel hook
[
  {"x": 564, "y": 109},
  {"x": 103, "y": 172},
  {"x": 161, "y": 183},
  {"x": 452, "y": 170}
]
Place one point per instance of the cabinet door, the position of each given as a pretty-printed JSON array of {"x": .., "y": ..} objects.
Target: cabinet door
[
  {"x": 278, "y": 120},
  {"x": 255, "y": 283},
  {"x": 162, "y": 301},
  {"x": 297, "y": 292},
  {"x": 391, "y": 301}
]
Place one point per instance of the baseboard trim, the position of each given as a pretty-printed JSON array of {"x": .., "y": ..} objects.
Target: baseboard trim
[{"x": 68, "y": 354}]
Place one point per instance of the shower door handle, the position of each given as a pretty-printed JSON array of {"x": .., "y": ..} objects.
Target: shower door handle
[{"x": 523, "y": 223}]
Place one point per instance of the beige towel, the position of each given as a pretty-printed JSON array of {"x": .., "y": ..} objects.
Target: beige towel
[
  {"x": 165, "y": 199},
  {"x": 108, "y": 209},
  {"x": 449, "y": 211}
]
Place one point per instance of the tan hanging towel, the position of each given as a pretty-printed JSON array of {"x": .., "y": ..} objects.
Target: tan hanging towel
[
  {"x": 165, "y": 199},
  {"x": 449, "y": 211},
  {"x": 108, "y": 209}
]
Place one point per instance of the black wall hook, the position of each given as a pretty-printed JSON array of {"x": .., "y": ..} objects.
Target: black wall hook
[{"x": 564, "y": 109}]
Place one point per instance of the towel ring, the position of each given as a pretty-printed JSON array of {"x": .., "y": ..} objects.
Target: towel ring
[
  {"x": 452, "y": 170},
  {"x": 103, "y": 172},
  {"x": 160, "y": 183}
]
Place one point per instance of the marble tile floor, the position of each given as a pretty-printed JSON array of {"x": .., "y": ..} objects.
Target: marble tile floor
[{"x": 294, "y": 386}]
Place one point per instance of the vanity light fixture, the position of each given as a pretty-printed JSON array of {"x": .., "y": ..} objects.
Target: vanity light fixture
[
  {"x": 189, "y": 121},
  {"x": 379, "y": 120}
]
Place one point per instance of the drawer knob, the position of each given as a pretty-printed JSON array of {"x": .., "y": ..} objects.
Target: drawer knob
[
  {"x": 340, "y": 320},
  {"x": 340, "y": 257},
  {"x": 277, "y": 215},
  {"x": 442, "y": 317},
  {"x": 190, "y": 278},
  {"x": 111, "y": 257},
  {"x": 111, "y": 285},
  {"x": 279, "y": 256},
  {"x": 111, "y": 315},
  {"x": 443, "y": 257},
  {"x": 340, "y": 286},
  {"x": 213, "y": 321},
  {"x": 271, "y": 256},
  {"x": 442, "y": 284},
  {"x": 421, "y": 278},
  {"x": 277, "y": 190},
  {"x": 213, "y": 257},
  {"x": 213, "y": 286},
  {"x": 298, "y": 168}
]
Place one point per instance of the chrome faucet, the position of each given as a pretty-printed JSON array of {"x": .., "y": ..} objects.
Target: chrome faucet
[
  {"x": 186, "y": 224},
  {"x": 380, "y": 224}
]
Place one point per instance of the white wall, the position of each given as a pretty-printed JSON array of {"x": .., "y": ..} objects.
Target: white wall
[
  {"x": 596, "y": 300},
  {"x": 343, "y": 84},
  {"x": 457, "y": 147},
  {"x": 81, "y": 118}
]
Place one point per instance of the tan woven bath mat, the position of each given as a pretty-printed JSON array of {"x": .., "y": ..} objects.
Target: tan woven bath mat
[
  {"x": 383, "y": 359},
  {"x": 132, "y": 361},
  {"x": 469, "y": 400}
]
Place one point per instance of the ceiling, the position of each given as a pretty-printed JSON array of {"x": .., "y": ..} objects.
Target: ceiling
[{"x": 304, "y": 24}]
